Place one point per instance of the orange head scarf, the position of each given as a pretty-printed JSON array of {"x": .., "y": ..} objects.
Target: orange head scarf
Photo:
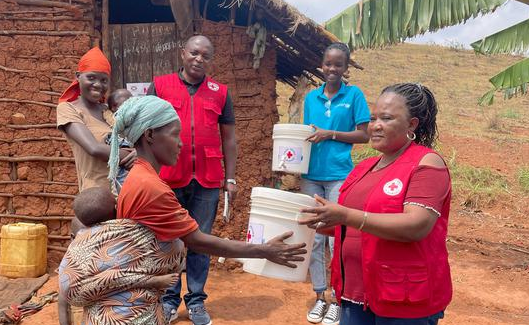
[{"x": 93, "y": 60}]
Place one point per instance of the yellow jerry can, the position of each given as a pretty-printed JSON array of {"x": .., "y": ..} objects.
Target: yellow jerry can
[{"x": 24, "y": 250}]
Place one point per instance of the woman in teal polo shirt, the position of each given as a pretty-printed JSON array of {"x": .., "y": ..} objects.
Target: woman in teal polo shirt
[{"x": 339, "y": 115}]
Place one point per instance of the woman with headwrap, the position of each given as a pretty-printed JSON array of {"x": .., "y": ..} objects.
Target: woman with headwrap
[
  {"x": 152, "y": 125},
  {"x": 84, "y": 118}
]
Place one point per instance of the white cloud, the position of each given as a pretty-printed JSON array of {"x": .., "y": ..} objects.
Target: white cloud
[{"x": 474, "y": 29}]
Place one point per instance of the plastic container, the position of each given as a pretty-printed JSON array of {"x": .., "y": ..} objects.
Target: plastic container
[
  {"x": 274, "y": 212},
  {"x": 291, "y": 152},
  {"x": 23, "y": 250}
]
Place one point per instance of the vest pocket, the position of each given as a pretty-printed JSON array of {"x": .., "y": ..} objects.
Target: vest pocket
[
  {"x": 211, "y": 116},
  {"x": 403, "y": 283},
  {"x": 214, "y": 171}
]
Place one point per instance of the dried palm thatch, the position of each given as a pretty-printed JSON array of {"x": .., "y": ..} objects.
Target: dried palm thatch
[{"x": 300, "y": 41}]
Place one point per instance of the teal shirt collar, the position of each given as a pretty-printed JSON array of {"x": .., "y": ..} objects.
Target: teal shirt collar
[{"x": 341, "y": 91}]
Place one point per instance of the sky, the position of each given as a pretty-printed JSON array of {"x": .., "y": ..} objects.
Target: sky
[{"x": 464, "y": 34}]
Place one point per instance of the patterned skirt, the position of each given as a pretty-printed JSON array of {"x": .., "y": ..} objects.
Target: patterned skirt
[{"x": 104, "y": 267}]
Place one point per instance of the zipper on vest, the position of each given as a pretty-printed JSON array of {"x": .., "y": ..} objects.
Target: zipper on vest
[{"x": 192, "y": 136}]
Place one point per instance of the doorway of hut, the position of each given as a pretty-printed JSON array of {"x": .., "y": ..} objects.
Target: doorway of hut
[{"x": 142, "y": 38}]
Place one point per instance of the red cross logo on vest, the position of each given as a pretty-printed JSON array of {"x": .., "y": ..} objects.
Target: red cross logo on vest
[
  {"x": 213, "y": 86},
  {"x": 393, "y": 187}
]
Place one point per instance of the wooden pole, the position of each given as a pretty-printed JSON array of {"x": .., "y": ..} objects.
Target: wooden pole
[
  {"x": 44, "y": 32},
  {"x": 31, "y": 126},
  {"x": 32, "y": 218},
  {"x": 24, "y": 101},
  {"x": 35, "y": 158},
  {"x": 105, "y": 29}
]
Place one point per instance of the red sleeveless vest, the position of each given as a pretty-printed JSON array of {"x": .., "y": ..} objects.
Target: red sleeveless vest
[
  {"x": 199, "y": 115},
  {"x": 401, "y": 280}
]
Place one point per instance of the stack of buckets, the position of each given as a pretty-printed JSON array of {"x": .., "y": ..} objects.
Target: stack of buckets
[{"x": 274, "y": 212}]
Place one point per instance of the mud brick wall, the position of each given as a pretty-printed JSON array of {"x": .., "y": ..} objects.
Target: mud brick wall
[
  {"x": 39, "y": 50},
  {"x": 254, "y": 100}
]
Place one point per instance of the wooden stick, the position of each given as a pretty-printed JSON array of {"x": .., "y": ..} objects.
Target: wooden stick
[
  {"x": 55, "y": 18},
  {"x": 46, "y": 3},
  {"x": 61, "y": 78},
  {"x": 51, "y": 93},
  {"x": 66, "y": 56},
  {"x": 105, "y": 29},
  {"x": 24, "y": 101},
  {"x": 43, "y": 183},
  {"x": 517, "y": 249},
  {"x": 57, "y": 248},
  {"x": 51, "y": 195},
  {"x": 32, "y": 218},
  {"x": 35, "y": 158},
  {"x": 13, "y": 70},
  {"x": 25, "y": 12},
  {"x": 59, "y": 237},
  {"x": 44, "y": 32},
  {"x": 31, "y": 126},
  {"x": 34, "y": 139}
]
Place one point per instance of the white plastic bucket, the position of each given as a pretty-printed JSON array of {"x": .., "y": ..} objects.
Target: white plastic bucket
[
  {"x": 274, "y": 212},
  {"x": 291, "y": 151}
]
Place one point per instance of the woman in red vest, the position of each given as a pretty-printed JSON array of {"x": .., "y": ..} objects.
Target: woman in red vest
[{"x": 390, "y": 261}]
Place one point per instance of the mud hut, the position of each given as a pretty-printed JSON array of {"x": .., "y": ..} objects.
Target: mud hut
[{"x": 41, "y": 42}]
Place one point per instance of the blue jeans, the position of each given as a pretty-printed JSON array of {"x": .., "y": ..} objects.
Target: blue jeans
[
  {"x": 317, "y": 266},
  {"x": 202, "y": 205},
  {"x": 354, "y": 314}
]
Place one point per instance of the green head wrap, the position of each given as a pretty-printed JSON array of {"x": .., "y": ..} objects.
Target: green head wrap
[{"x": 133, "y": 118}]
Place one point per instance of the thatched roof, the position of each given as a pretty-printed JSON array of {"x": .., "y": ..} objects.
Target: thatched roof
[{"x": 300, "y": 41}]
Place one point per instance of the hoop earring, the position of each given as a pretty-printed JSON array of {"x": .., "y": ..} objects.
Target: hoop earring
[{"x": 412, "y": 137}]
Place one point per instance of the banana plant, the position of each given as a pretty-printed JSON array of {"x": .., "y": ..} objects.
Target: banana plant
[{"x": 378, "y": 23}]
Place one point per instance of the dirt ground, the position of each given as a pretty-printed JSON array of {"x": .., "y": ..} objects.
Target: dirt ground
[
  {"x": 490, "y": 270},
  {"x": 488, "y": 245}
]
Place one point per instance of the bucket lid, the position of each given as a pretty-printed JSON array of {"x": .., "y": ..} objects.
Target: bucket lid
[
  {"x": 271, "y": 193},
  {"x": 293, "y": 127}
]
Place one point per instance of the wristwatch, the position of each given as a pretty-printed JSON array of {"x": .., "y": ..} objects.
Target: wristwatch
[{"x": 231, "y": 181}]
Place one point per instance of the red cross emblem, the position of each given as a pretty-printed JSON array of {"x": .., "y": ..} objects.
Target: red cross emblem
[
  {"x": 249, "y": 235},
  {"x": 393, "y": 187}
]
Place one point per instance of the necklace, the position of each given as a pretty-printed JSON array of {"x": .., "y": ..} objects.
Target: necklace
[{"x": 399, "y": 152}]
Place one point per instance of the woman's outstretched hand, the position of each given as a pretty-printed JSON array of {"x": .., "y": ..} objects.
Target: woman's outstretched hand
[
  {"x": 327, "y": 214},
  {"x": 284, "y": 254}
]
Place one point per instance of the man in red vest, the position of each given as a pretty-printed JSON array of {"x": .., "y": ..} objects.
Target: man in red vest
[{"x": 208, "y": 135}]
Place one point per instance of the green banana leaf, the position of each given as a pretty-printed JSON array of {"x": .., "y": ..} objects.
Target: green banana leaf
[
  {"x": 512, "y": 81},
  {"x": 386, "y": 22},
  {"x": 514, "y": 39}
]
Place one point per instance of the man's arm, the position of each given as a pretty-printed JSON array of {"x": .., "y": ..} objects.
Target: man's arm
[
  {"x": 229, "y": 149},
  {"x": 229, "y": 145}
]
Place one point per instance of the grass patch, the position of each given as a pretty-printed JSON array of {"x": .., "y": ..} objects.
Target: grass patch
[
  {"x": 512, "y": 114},
  {"x": 523, "y": 178},
  {"x": 363, "y": 151},
  {"x": 477, "y": 187}
]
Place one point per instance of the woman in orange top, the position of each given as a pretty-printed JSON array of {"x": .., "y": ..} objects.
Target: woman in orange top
[{"x": 153, "y": 126}]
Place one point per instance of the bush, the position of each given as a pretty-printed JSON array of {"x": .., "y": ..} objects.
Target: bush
[
  {"x": 523, "y": 178},
  {"x": 477, "y": 187}
]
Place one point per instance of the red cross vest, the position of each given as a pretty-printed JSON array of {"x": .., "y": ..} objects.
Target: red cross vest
[
  {"x": 201, "y": 154},
  {"x": 401, "y": 280}
]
